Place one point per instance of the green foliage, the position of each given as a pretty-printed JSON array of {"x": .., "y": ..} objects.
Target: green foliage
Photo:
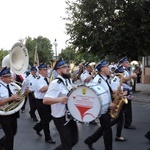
[
  {"x": 3, "y": 53},
  {"x": 72, "y": 55},
  {"x": 44, "y": 49},
  {"x": 106, "y": 27}
]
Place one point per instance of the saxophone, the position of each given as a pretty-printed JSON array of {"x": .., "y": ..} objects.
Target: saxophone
[{"x": 119, "y": 100}]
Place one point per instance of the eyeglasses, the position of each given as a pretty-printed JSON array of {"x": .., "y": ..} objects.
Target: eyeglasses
[{"x": 7, "y": 76}]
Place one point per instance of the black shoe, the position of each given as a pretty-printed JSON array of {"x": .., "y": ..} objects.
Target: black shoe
[
  {"x": 147, "y": 136},
  {"x": 89, "y": 145},
  {"x": 94, "y": 122},
  {"x": 51, "y": 141},
  {"x": 120, "y": 139},
  {"x": 129, "y": 127},
  {"x": 35, "y": 119},
  {"x": 37, "y": 132},
  {"x": 22, "y": 110}
]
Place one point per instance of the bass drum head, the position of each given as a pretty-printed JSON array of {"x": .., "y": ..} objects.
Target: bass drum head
[{"x": 83, "y": 104}]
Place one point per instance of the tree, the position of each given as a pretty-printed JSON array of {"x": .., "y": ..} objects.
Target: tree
[
  {"x": 3, "y": 53},
  {"x": 72, "y": 55},
  {"x": 105, "y": 27},
  {"x": 44, "y": 49}
]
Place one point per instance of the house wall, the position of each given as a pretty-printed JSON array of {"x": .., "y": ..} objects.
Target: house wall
[{"x": 146, "y": 70}]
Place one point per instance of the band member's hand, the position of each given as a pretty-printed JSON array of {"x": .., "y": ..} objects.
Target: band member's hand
[
  {"x": 27, "y": 91},
  {"x": 64, "y": 99},
  {"x": 130, "y": 97},
  {"x": 134, "y": 75},
  {"x": 94, "y": 72},
  {"x": 125, "y": 93},
  {"x": 16, "y": 97},
  {"x": 112, "y": 106}
]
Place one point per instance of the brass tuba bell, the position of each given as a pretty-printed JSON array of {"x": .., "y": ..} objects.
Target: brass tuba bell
[{"x": 18, "y": 59}]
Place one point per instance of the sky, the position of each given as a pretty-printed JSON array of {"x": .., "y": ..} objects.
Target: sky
[{"x": 33, "y": 18}]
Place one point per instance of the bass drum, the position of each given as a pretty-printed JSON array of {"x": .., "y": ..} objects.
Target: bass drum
[{"x": 84, "y": 103}]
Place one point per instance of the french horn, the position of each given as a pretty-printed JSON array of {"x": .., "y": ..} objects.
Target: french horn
[{"x": 17, "y": 61}]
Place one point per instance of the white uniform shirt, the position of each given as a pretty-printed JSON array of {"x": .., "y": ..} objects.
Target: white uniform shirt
[
  {"x": 4, "y": 91},
  {"x": 127, "y": 84},
  {"x": 107, "y": 100},
  {"x": 84, "y": 75},
  {"x": 58, "y": 90},
  {"x": 115, "y": 82},
  {"x": 29, "y": 81},
  {"x": 39, "y": 83}
]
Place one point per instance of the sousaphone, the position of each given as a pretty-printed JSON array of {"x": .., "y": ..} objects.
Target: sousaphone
[{"x": 17, "y": 61}]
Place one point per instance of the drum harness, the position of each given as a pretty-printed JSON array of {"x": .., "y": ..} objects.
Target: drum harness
[
  {"x": 67, "y": 115},
  {"x": 111, "y": 92}
]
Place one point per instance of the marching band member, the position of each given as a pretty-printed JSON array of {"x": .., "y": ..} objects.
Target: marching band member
[
  {"x": 116, "y": 83},
  {"x": 87, "y": 78},
  {"x": 77, "y": 73},
  {"x": 41, "y": 86},
  {"x": 8, "y": 122},
  {"x": 127, "y": 79},
  {"x": 56, "y": 96},
  {"x": 88, "y": 74},
  {"x": 29, "y": 85},
  {"x": 105, "y": 120}
]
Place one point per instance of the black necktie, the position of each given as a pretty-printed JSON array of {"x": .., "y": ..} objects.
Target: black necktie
[
  {"x": 66, "y": 83},
  {"x": 46, "y": 81},
  {"x": 111, "y": 92},
  {"x": 9, "y": 91}
]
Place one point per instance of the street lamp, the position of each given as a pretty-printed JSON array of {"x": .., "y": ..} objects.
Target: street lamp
[{"x": 55, "y": 44}]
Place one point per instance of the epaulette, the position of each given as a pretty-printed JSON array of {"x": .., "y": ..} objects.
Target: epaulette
[
  {"x": 38, "y": 77},
  {"x": 84, "y": 72},
  {"x": 99, "y": 80},
  {"x": 60, "y": 80},
  {"x": 115, "y": 80}
]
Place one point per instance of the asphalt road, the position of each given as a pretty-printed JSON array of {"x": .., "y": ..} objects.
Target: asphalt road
[{"x": 26, "y": 138}]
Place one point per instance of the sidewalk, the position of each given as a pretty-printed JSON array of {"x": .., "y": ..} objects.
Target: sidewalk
[{"x": 142, "y": 93}]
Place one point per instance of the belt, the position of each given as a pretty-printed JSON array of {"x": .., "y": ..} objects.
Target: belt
[{"x": 39, "y": 99}]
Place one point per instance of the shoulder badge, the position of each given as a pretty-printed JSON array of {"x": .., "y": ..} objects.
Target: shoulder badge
[
  {"x": 99, "y": 80},
  {"x": 115, "y": 80},
  {"x": 38, "y": 77},
  {"x": 59, "y": 80}
]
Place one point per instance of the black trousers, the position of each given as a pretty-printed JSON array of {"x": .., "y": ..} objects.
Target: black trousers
[
  {"x": 104, "y": 130},
  {"x": 45, "y": 116},
  {"x": 9, "y": 126},
  {"x": 68, "y": 133},
  {"x": 119, "y": 121},
  {"x": 24, "y": 105},
  {"x": 128, "y": 113},
  {"x": 32, "y": 103}
]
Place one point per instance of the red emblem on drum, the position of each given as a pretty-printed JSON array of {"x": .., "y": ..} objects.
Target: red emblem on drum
[{"x": 83, "y": 109}]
